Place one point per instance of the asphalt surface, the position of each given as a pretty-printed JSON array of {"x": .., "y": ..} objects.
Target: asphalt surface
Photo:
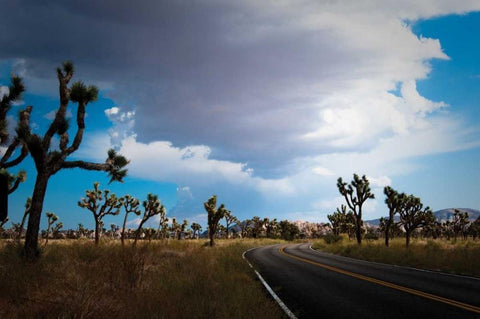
[{"x": 313, "y": 284}]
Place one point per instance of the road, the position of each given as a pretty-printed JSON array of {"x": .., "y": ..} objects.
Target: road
[{"x": 313, "y": 284}]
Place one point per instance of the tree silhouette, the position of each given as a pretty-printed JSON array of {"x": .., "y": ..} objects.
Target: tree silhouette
[
  {"x": 394, "y": 202},
  {"x": 355, "y": 194},
  {"x": 47, "y": 158},
  {"x": 229, "y": 220},
  {"x": 152, "y": 206},
  {"x": 214, "y": 216},
  {"x": 93, "y": 202},
  {"x": 413, "y": 215},
  {"x": 28, "y": 205},
  {"x": 197, "y": 228},
  {"x": 131, "y": 205},
  {"x": 51, "y": 219}
]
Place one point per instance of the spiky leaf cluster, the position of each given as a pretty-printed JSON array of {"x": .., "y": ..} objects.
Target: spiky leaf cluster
[
  {"x": 117, "y": 163},
  {"x": 81, "y": 93},
  {"x": 15, "y": 91}
]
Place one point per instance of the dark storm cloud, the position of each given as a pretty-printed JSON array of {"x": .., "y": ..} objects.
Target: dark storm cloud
[{"x": 227, "y": 76}]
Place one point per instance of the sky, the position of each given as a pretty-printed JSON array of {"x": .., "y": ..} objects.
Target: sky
[{"x": 264, "y": 104}]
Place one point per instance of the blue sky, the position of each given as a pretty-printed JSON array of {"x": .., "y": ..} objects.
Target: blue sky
[{"x": 265, "y": 105}]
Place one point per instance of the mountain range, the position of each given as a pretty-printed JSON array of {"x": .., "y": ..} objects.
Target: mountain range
[{"x": 441, "y": 215}]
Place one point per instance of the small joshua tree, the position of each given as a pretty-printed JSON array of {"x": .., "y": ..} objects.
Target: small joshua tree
[
  {"x": 28, "y": 205},
  {"x": 51, "y": 219},
  {"x": 214, "y": 216},
  {"x": 394, "y": 202},
  {"x": 197, "y": 228},
  {"x": 413, "y": 215},
  {"x": 131, "y": 205},
  {"x": 229, "y": 220},
  {"x": 93, "y": 202},
  {"x": 162, "y": 225},
  {"x": 355, "y": 194},
  {"x": 152, "y": 206}
]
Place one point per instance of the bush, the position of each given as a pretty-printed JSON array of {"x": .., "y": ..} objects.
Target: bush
[{"x": 332, "y": 238}]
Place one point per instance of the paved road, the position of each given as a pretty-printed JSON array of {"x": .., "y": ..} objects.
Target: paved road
[{"x": 318, "y": 285}]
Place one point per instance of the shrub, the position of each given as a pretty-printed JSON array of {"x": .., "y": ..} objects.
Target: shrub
[{"x": 332, "y": 238}]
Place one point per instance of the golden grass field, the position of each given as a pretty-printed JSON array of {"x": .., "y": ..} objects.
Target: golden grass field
[
  {"x": 169, "y": 279},
  {"x": 457, "y": 257}
]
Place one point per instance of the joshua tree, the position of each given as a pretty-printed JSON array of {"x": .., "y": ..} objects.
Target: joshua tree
[
  {"x": 197, "y": 228},
  {"x": 413, "y": 215},
  {"x": 152, "y": 206},
  {"x": 338, "y": 220},
  {"x": 162, "y": 225},
  {"x": 394, "y": 202},
  {"x": 175, "y": 227},
  {"x": 355, "y": 195},
  {"x": 460, "y": 223},
  {"x": 214, "y": 216},
  {"x": 245, "y": 227},
  {"x": 93, "y": 202},
  {"x": 49, "y": 160},
  {"x": 229, "y": 220},
  {"x": 257, "y": 229},
  {"x": 8, "y": 184},
  {"x": 271, "y": 227},
  {"x": 56, "y": 229},
  {"x": 28, "y": 205},
  {"x": 51, "y": 219},
  {"x": 131, "y": 205},
  {"x": 288, "y": 230}
]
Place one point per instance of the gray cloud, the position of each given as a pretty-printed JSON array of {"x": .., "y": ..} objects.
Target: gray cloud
[{"x": 246, "y": 79}]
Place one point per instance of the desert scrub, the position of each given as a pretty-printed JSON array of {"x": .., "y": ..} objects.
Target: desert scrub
[
  {"x": 461, "y": 257},
  {"x": 175, "y": 279}
]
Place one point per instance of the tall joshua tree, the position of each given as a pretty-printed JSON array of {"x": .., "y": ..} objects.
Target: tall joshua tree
[
  {"x": 214, "y": 216},
  {"x": 49, "y": 160},
  {"x": 152, "y": 206},
  {"x": 93, "y": 202},
  {"x": 355, "y": 194}
]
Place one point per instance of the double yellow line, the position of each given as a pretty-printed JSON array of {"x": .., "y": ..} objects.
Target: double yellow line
[{"x": 387, "y": 284}]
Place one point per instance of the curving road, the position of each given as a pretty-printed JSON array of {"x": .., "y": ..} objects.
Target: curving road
[{"x": 313, "y": 284}]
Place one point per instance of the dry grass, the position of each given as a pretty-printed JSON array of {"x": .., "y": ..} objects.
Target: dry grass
[
  {"x": 178, "y": 279},
  {"x": 460, "y": 257}
]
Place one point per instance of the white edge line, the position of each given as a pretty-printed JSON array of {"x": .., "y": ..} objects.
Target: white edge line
[
  {"x": 269, "y": 289},
  {"x": 398, "y": 266}
]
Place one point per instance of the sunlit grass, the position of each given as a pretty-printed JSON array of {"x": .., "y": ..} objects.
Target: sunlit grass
[
  {"x": 458, "y": 257},
  {"x": 174, "y": 279}
]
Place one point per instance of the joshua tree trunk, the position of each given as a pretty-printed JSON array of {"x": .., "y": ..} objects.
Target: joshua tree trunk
[
  {"x": 97, "y": 231},
  {"x": 387, "y": 232},
  {"x": 358, "y": 229},
  {"x": 31, "y": 238},
  {"x": 122, "y": 238}
]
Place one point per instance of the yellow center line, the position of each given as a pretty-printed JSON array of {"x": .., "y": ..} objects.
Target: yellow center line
[{"x": 387, "y": 284}]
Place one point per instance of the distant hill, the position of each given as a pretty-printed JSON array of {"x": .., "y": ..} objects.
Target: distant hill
[
  {"x": 447, "y": 214},
  {"x": 441, "y": 215}
]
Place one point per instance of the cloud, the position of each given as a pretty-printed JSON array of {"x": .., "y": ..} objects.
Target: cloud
[
  {"x": 51, "y": 115},
  {"x": 123, "y": 124},
  {"x": 268, "y": 82},
  {"x": 267, "y": 101}
]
